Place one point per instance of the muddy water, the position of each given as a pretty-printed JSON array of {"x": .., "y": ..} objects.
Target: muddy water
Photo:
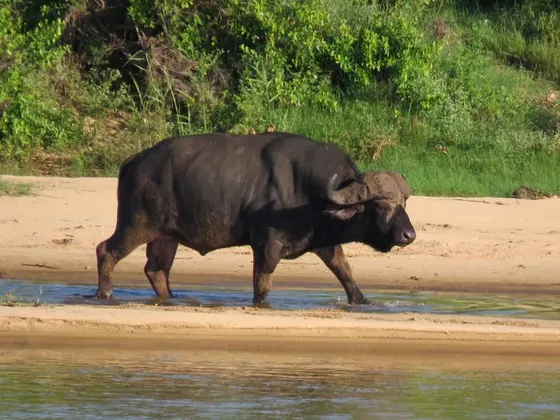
[
  {"x": 517, "y": 305},
  {"x": 118, "y": 384}
]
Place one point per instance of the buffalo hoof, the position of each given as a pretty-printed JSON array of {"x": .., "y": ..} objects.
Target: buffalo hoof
[
  {"x": 358, "y": 300},
  {"x": 106, "y": 294}
]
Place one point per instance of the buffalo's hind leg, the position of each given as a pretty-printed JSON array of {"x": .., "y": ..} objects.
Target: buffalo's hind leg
[
  {"x": 161, "y": 254},
  {"x": 335, "y": 260},
  {"x": 111, "y": 251}
]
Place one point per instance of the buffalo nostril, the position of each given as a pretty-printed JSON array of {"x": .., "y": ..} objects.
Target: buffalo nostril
[{"x": 409, "y": 236}]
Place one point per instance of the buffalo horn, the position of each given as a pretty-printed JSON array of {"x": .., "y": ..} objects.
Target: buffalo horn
[{"x": 374, "y": 185}]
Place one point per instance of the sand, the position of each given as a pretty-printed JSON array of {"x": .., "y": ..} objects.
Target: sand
[{"x": 463, "y": 244}]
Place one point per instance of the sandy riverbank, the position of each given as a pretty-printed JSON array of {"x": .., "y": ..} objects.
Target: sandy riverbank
[
  {"x": 422, "y": 338},
  {"x": 317, "y": 331}
]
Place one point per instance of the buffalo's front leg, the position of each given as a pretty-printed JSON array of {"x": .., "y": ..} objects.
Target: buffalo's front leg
[
  {"x": 265, "y": 260},
  {"x": 335, "y": 260},
  {"x": 161, "y": 254}
]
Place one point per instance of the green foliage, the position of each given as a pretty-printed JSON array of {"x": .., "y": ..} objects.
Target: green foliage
[
  {"x": 462, "y": 95},
  {"x": 30, "y": 117},
  {"x": 312, "y": 52},
  {"x": 35, "y": 119},
  {"x": 30, "y": 39}
]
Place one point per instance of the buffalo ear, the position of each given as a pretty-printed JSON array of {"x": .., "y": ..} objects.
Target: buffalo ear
[{"x": 345, "y": 213}]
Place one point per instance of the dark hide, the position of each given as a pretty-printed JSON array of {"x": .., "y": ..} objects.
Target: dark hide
[{"x": 282, "y": 194}]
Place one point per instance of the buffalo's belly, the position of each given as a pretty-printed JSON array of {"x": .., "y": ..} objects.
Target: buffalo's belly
[{"x": 208, "y": 231}]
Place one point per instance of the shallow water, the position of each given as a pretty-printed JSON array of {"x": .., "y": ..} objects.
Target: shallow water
[
  {"x": 104, "y": 383},
  {"x": 521, "y": 306}
]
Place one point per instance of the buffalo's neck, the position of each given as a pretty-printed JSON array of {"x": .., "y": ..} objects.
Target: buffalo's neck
[{"x": 341, "y": 232}]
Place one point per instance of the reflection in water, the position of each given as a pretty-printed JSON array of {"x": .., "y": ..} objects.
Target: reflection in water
[
  {"x": 52, "y": 384},
  {"x": 545, "y": 306}
]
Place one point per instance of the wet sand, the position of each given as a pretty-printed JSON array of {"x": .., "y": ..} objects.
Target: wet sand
[
  {"x": 481, "y": 245},
  {"x": 249, "y": 329}
]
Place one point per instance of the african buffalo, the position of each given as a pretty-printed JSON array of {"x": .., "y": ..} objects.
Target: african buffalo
[{"x": 282, "y": 194}]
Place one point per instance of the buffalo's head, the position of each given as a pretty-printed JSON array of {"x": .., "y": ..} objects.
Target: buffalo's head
[{"x": 373, "y": 207}]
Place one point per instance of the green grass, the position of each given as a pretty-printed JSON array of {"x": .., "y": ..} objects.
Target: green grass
[
  {"x": 467, "y": 174},
  {"x": 15, "y": 189},
  {"x": 527, "y": 36}
]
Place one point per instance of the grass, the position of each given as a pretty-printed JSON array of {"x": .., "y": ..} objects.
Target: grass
[
  {"x": 15, "y": 189},
  {"x": 12, "y": 300},
  {"x": 462, "y": 174},
  {"x": 525, "y": 37}
]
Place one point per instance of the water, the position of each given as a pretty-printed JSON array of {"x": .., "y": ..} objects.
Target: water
[
  {"x": 104, "y": 379},
  {"x": 105, "y": 383},
  {"x": 519, "y": 306}
]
